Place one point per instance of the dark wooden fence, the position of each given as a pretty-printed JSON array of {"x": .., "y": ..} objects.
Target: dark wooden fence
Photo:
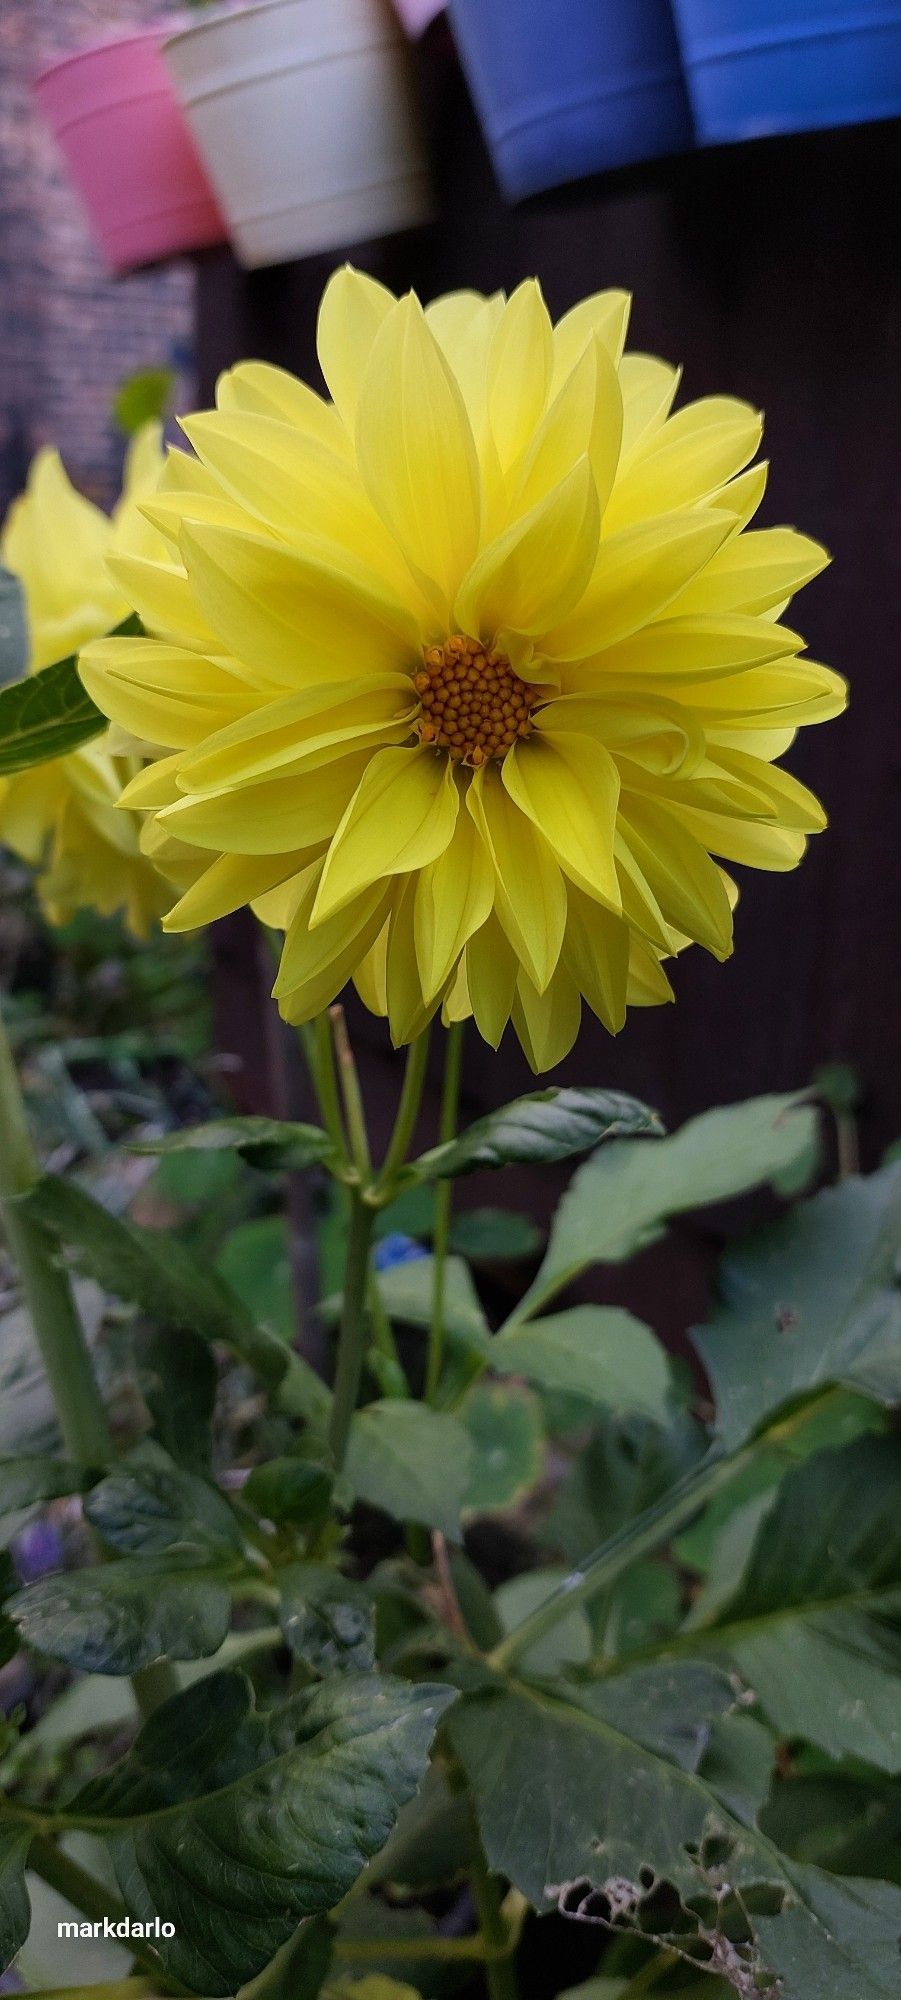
[{"x": 772, "y": 271}]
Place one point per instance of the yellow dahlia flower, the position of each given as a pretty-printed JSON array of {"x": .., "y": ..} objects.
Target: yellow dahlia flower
[
  {"x": 63, "y": 814},
  {"x": 466, "y": 675}
]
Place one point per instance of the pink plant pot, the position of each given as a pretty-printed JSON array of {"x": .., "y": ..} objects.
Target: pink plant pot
[
  {"x": 115, "y": 118},
  {"x": 415, "y": 15}
]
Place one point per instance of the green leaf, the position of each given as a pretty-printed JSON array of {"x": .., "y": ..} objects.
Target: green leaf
[
  {"x": 15, "y": 1914},
  {"x": 406, "y": 1292},
  {"x": 814, "y": 1625},
  {"x": 153, "y": 1269},
  {"x": 45, "y": 715},
  {"x": 149, "y": 1505},
  {"x": 547, "y": 1125},
  {"x": 848, "y": 1823},
  {"x": 289, "y": 1489},
  {"x": 627, "y": 1465},
  {"x": 412, "y": 1462},
  {"x": 13, "y": 628},
  {"x": 568, "y": 1644},
  {"x": 815, "y": 1298},
  {"x": 327, "y": 1620},
  {"x": 609, "y": 1791},
  {"x": 495, "y": 1235},
  {"x": 268, "y": 1143},
  {"x": 622, "y": 1198},
  {"x": 507, "y": 1438},
  {"x": 26, "y": 1482},
  {"x": 119, "y": 1617},
  {"x": 600, "y": 1352},
  {"x": 246, "y": 1823},
  {"x": 177, "y": 1379},
  {"x": 143, "y": 398},
  {"x": 300, "y": 1969}
]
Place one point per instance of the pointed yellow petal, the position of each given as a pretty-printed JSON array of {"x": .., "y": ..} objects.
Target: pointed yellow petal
[
  {"x": 491, "y": 972},
  {"x": 231, "y": 882},
  {"x": 318, "y": 960},
  {"x": 400, "y": 818},
  {"x": 741, "y": 497},
  {"x": 519, "y": 371},
  {"x": 781, "y": 796},
  {"x": 464, "y": 324},
  {"x": 568, "y": 787},
  {"x": 794, "y": 692},
  {"x": 699, "y": 448},
  {"x": 648, "y": 983},
  {"x": 294, "y": 619},
  {"x": 673, "y": 650},
  {"x": 453, "y": 898},
  {"x": 156, "y": 785},
  {"x": 687, "y": 884},
  {"x": 353, "y": 308},
  {"x": 587, "y": 415},
  {"x": 164, "y": 601},
  {"x": 637, "y": 574},
  {"x": 537, "y": 571},
  {"x": 289, "y": 813},
  {"x": 752, "y": 842},
  {"x": 530, "y": 896},
  {"x": 547, "y": 1023},
  {"x": 596, "y": 955},
  {"x": 161, "y": 693},
  {"x": 371, "y": 975},
  {"x": 755, "y": 571},
  {"x": 300, "y": 731},
  {"x": 408, "y": 1010},
  {"x": 257, "y": 389},
  {"x": 416, "y": 453},
  {"x": 654, "y": 732},
  {"x": 648, "y": 388},
  {"x": 604, "y": 316}
]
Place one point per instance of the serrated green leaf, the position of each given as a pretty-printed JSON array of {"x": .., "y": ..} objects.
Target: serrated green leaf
[
  {"x": 815, "y": 1298},
  {"x": 547, "y": 1125},
  {"x": 247, "y": 1823},
  {"x": 600, "y": 1352},
  {"x": 268, "y": 1143},
  {"x": 815, "y": 1624},
  {"x": 607, "y": 1784},
  {"x": 327, "y": 1620},
  {"x": 13, "y": 628},
  {"x": 623, "y": 1197},
  {"x": 412, "y": 1462},
  {"x": 120, "y": 1617},
  {"x": 153, "y": 1269},
  {"x": 149, "y": 1506},
  {"x": 15, "y": 1914},
  {"x": 507, "y": 1438}
]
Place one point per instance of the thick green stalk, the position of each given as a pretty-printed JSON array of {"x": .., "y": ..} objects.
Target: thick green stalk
[
  {"x": 641, "y": 1536},
  {"x": 352, "y": 1334},
  {"x": 500, "y": 1971},
  {"x": 444, "y": 1195},
  {"x": 51, "y": 1307}
]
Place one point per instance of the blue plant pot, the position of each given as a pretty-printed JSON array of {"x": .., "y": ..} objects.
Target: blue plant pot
[
  {"x": 761, "y": 66},
  {"x": 565, "y": 88}
]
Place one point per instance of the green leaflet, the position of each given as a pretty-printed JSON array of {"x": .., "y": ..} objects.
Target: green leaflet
[
  {"x": 816, "y": 1299},
  {"x": 268, "y": 1143},
  {"x": 547, "y": 1125},
  {"x": 600, "y": 1352},
  {"x": 327, "y": 1620},
  {"x": 622, "y": 1198},
  {"x": 271, "y": 1816},
  {"x": 412, "y": 1462}
]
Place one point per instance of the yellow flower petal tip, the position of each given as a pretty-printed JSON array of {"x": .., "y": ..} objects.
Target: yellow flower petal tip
[{"x": 473, "y": 675}]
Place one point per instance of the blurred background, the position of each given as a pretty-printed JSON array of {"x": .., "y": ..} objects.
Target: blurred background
[{"x": 738, "y": 175}]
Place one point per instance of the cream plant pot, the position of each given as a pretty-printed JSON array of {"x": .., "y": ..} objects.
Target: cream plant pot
[{"x": 305, "y": 115}]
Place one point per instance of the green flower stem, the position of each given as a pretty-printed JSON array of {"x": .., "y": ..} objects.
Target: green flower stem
[
  {"x": 85, "y": 1893},
  {"x": 351, "y": 1096},
  {"x": 48, "y": 1296},
  {"x": 444, "y": 1196},
  {"x": 500, "y": 1971},
  {"x": 352, "y": 1335},
  {"x": 641, "y": 1536},
  {"x": 316, "y": 1041},
  {"x": 407, "y": 1112}
]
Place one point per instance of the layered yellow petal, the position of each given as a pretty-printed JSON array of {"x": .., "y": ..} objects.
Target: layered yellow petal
[
  {"x": 400, "y": 818},
  {"x": 568, "y": 787}
]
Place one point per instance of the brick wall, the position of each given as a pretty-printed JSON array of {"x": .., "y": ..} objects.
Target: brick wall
[{"x": 68, "y": 333}]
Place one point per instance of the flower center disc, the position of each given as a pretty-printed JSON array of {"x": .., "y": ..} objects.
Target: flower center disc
[{"x": 473, "y": 704}]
